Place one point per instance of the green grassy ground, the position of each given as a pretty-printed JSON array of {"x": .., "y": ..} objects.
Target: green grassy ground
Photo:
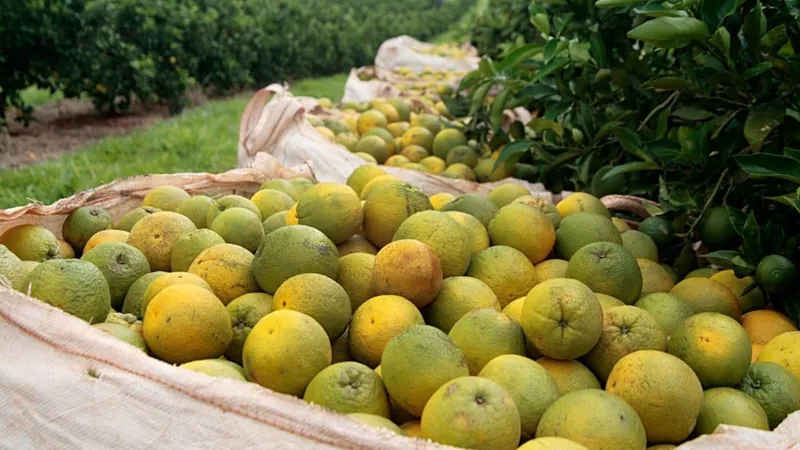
[{"x": 199, "y": 140}]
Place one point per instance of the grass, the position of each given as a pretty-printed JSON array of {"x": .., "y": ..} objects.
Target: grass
[
  {"x": 34, "y": 96},
  {"x": 199, "y": 140}
]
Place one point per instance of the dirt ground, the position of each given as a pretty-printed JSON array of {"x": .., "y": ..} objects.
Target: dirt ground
[{"x": 67, "y": 124}]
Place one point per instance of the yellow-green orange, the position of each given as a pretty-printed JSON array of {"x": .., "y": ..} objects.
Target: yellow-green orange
[
  {"x": 774, "y": 388},
  {"x": 551, "y": 268},
  {"x": 156, "y": 234},
  {"x": 275, "y": 221},
  {"x": 376, "y": 322},
  {"x": 317, "y": 296},
  {"x": 414, "y": 153},
  {"x": 333, "y": 208},
  {"x": 446, "y": 139},
  {"x": 73, "y": 286},
  {"x": 410, "y": 269},
  {"x": 185, "y": 323},
  {"x": 669, "y": 310},
  {"x": 506, "y": 193},
  {"x": 514, "y": 311},
  {"x": 290, "y": 251},
  {"x": 750, "y": 301},
  {"x": 784, "y": 349},
  {"x": 370, "y": 119},
  {"x": 31, "y": 243},
  {"x": 374, "y": 146},
  {"x": 457, "y": 297},
  {"x": 485, "y": 171},
  {"x": 472, "y": 412},
  {"x": 581, "y": 202},
  {"x": 124, "y": 334},
  {"x": 282, "y": 185},
  {"x": 525, "y": 229},
  {"x": 462, "y": 154},
  {"x": 240, "y": 227},
  {"x": 728, "y": 406},
  {"x": 581, "y": 229},
  {"x": 167, "y": 280},
  {"x": 439, "y": 200},
  {"x": 245, "y": 312},
  {"x": 285, "y": 351},
  {"x": 596, "y": 419},
  {"x": 19, "y": 274},
  {"x": 551, "y": 443},
  {"x": 270, "y": 201},
  {"x": 662, "y": 389},
  {"x": 356, "y": 244},
  {"x": 121, "y": 265},
  {"x": 543, "y": 205},
  {"x": 621, "y": 225},
  {"x": 349, "y": 387},
  {"x": 609, "y": 269},
  {"x": 363, "y": 175},
  {"x": 131, "y": 217},
  {"x": 189, "y": 246},
  {"x": 640, "y": 245},
  {"x": 707, "y": 295},
  {"x": 227, "y": 270},
  {"x": 136, "y": 294},
  {"x": 418, "y": 136},
  {"x": 562, "y": 318},
  {"x": 196, "y": 209},
  {"x": 715, "y": 346},
  {"x": 106, "y": 236},
  {"x": 217, "y": 368},
  {"x": 570, "y": 375},
  {"x": 485, "y": 334},
  {"x": 654, "y": 277},
  {"x": 388, "y": 207},
  {"x": 355, "y": 276},
  {"x": 626, "y": 329},
  {"x": 165, "y": 198},
  {"x": 705, "y": 272},
  {"x": 416, "y": 363},
  {"x": 528, "y": 383},
  {"x": 229, "y": 202},
  {"x": 480, "y": 207},
  {"x": 460, "y": 171},
  {"x": 375, "y": 421},
  {"x": 398, "y": 128},
  {"x": 433, "y": 164},
  {"x": 477, "y": 236},
  {"x": 607, "y": 302},
  {"x": 396, "y": 161},
  {"x": 429, "y": 121},
  {"x": 508, "y": 272},
  {"x": 443, "y": 235},
  {"x": 763, "y": 325}
]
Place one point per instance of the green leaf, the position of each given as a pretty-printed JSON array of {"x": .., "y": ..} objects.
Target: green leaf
[
  {"x": 722, "y": 121},
  {"x": 772, "y": 238},
  {"x": 755, "y": 25},
  {"x": 551, "y": 67},
  {"x": 478, "y": 96},
  {"x": 757, "y": 70},
  {"x": 537, "y": 91},
  {"x": 614, "y": 3},
  {"x": 514, "y": 148},
  {"x": 789, "y": 200},
  {"x": 686, "y": 259},
  {"x": 722, "y": 40},
  {"x": 541, "y": 124},
  {"x": 486, "y": 67},
  {"x": 631, "y": 141},
  {"x": 541, "y": 22},
  {"x": 669, "y": 84},
  {"x": 751, "y": 235},
  {"x": 498, "y": 106},
  {"x": 550, "y": 49},
  {"x": 761, "y": 121},
  {"x": 659, "y": 10},
  {"x": 637, "y": 166},
  {"x": 598, "y": 49},
  {"x": 769, "y": 165},
  {"x": 692, "y": 113},
  {"x": 714, "y": 12},
  {"x": 605, "y": 130},
  {"x": 670, "y": 32},
  {"x": 791, "y": 153},
  {"x": 722, "y": 258},
  {"x": 521, "y": 54}
]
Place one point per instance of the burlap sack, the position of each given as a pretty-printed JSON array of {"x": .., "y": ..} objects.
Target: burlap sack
[
  {"x": 274, "y": 123},
  {"x": 65, "y": 384},
  {"x": 404, "y": 51}
]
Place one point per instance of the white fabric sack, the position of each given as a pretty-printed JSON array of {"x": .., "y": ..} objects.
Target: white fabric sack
[{"x": 403, "y": 51}]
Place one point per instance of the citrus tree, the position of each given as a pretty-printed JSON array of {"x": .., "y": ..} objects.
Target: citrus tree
[{"x": 691, "y": 104}]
